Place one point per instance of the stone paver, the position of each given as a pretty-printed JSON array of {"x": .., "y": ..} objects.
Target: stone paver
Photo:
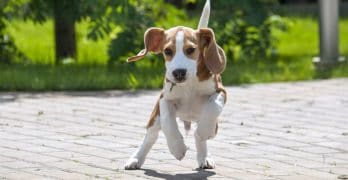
[{"x": 267, "y": 131}]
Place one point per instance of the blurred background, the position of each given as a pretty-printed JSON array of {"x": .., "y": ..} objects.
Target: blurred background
[{"x": 83, "y": 44}]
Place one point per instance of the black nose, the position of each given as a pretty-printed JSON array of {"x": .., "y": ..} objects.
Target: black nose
[{"x": 179, "y": 74}]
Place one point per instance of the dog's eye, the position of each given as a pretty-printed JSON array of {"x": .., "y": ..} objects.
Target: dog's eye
[
  {"x": 190, "y": 50},
  {"x": 168, "y": 52}
]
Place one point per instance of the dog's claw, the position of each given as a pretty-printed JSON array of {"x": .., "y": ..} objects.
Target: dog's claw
[{"x": 208, "y": 163}]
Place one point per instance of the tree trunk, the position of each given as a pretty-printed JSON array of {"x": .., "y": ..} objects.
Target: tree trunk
[{"x": 64, "y": 30}]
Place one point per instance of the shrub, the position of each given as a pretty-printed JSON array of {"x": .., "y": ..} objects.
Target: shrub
[
  {"x": 8, "y": 50},
  {"x": 244, "y": 27},
  {"x": 134, "y": 17}
]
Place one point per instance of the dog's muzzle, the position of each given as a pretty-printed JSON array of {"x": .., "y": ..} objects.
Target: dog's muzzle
[{"x": 179, "y": 75}]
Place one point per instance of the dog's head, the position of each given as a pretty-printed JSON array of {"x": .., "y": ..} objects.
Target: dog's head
[{"x": 188, "y": 53}]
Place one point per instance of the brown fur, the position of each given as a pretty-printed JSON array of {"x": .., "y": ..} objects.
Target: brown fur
[
  {"x": 203, "y": 72},
  {"x": 212, "y": 54},
  {"x": 216, "y": 128},
  {"x": 169, "y": 42},
  {"x": 219, "y": 87},
  {"x": 153, "y": 40},
  {"x": 190, "y": 40},
  {"x": 210, "y": 57},
  {"x": 155, "y": 113}
]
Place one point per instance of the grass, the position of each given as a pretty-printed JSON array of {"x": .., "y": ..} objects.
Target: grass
[
  {"x": 302, "y": 38},
  {"x": 296, "y": 48},
  {"x": 76, "y": 77},
  {"x": 37, "y": 43},
  {"x": 300, "y": 44}
]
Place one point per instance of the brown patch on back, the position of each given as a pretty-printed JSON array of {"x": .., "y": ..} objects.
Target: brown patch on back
[
  {"x": 219, "y": 87},
  {"x": 155, "y": 113}
]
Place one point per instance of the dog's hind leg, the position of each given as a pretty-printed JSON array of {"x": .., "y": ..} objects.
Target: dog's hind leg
[
  {"x": 138, "y": 158},
  {"x": 153, "y": 127},
  {"x": 207, "y": 128}
]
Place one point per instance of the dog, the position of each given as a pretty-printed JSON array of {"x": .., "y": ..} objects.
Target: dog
[{"x": 192, "y": 91}]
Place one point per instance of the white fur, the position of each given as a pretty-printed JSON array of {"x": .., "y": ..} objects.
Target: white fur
[
  {"x": 180, "y": 60},
  {"x": 170, "y": 129},
  {"x": 138, "y": 157},
  {"x": 195, "y": 101},
  {"x": 191, "y": 100},
  {"x": 206, "y": 127},
  {"x": 189, "y": 97},
  {"x": 204, "y": 20}
]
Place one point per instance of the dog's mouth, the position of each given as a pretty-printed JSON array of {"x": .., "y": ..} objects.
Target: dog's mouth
[
  {"x": 176, "y": 81},
  {"x": 180, "y": 81}
]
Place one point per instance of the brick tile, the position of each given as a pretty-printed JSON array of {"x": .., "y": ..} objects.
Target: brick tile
[{"x": 267, "y": 131}]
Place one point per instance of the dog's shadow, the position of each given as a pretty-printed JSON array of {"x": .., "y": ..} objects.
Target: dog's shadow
[{"x": 199, "y": 174}]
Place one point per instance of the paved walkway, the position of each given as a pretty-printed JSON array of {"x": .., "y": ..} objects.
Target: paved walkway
[{"x": 267, "y": 131}]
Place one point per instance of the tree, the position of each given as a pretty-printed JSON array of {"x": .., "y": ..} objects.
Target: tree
[
  {"x": 65, "y": 14},
  {"x": 132, "y": 16},
  {"x": 8, "y": 50}
]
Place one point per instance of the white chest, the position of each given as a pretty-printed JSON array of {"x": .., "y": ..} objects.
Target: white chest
[{"x": 189, "y": 97}]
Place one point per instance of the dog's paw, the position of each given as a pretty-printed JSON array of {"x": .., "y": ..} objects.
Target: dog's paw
[
  {"x": 207, "y": 163},
  {"x": 178, "y": 149},
  {"x": 132, "y": 163}
]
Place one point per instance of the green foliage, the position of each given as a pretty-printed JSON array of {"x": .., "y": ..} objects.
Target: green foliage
[
  {"x": 8, "y": 50},
  {"x": 124, "y": 21},
  {"x": 65, "y": 14},
  {"x": 106, "y": 34},
  {"x": 134, "y": 17},
  {"x": 244, "y": 27},
  {"x": 36, "y": 41},
  {"x": 296, "y": 48},
  {"x": 76, "y": 10},
  {"x": 18, "y": 77},
  {"x": 245, "y": 33}
]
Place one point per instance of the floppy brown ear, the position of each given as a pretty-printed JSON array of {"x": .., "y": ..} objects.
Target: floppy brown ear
[
  {"x": 213, "y": 55},
  {"x": 153, "y": 40}
]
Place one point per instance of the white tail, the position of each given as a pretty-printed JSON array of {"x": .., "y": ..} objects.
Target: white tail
[{"x": 204, "y": 20}]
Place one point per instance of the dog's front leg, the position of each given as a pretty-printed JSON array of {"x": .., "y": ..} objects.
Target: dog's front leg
[
  {"x": 207, "y": 128},
  {"x": 170, "y": 129}
]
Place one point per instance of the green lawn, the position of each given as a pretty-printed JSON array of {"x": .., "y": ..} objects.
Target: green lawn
[
  {"x": 37, "y": 43},
  {"x": 76, "y": 77},
  {"x": 296, "y": 48},
  {"x": 302, "y": 38}
]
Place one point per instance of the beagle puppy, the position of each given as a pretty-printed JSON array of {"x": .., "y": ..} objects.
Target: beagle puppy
[{"x": 192, "y": 90}]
